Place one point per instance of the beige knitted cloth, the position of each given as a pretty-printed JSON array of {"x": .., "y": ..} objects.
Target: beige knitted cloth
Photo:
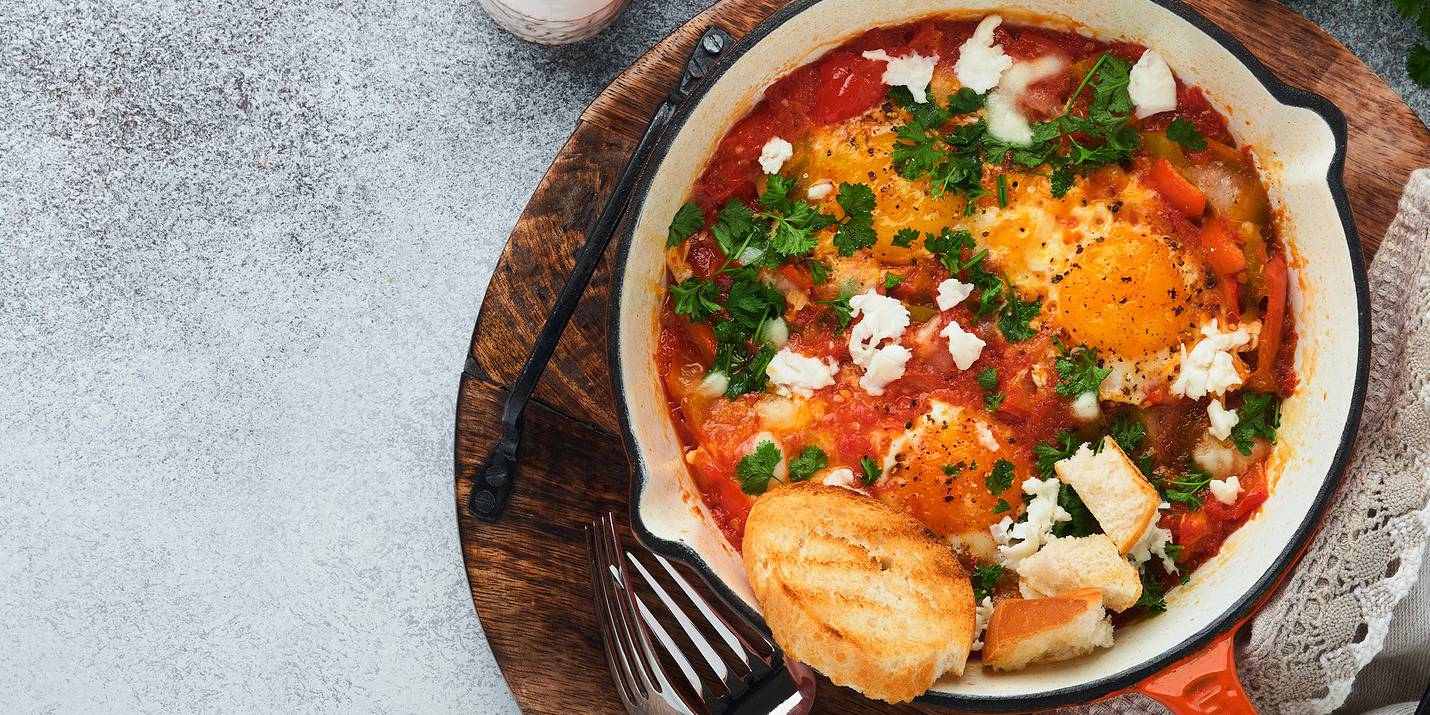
[{"x": 1332, "y": 616}]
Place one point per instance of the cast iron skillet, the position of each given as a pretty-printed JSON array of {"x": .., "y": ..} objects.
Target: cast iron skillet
[{"x": 1201, "y": 662}]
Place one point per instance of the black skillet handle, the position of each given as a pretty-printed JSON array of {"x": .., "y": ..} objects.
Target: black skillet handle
[{"x": 493, "y": 482}]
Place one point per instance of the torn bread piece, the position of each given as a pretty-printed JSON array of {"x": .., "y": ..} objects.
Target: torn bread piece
[
  {"x": 1114, "y": 490},
  {"x": 1073, "y": 563},
  {"x": 858, "y": 591},
  {"x": 1024, "y": 631}
]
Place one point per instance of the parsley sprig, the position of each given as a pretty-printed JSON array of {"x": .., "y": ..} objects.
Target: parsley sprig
[
  {"x": 809, "y": 461},
  {"x": 1078, "y": 370},
  {"x": 757, "y": 468},
  {"x": 1260, "y": 417},
  {"x": 1185, "y": 489},
  {"x": 992, "y": 396},
  {"x": 985, "y": 578}
]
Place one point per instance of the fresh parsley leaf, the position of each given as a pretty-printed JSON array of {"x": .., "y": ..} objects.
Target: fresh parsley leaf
[
  {"x": 856, "y": 231},
  {"x": 843, "y": 312},
  {"x": 697, "y": 298},
  {"x": 1002, "y": 191},
  {"x": 757, "y": 468},
  {"x": 985, "y": 578},
  {"x": 687, "y": 221},
  {"x": 992, "y": 402},
  {"x": 954, "y": 470},
  {"x": 1062, "y": 181},
  {"x": 1185, "y": 133},
  {"x": 891, "y": 280},
  {"x": 988, "y": 379},
  {"x": 1046, "y": 454},
  {"x": 1001, "y": 478},
  {"x": 1152, "y": 592},
  {"x": 809, "y": 461},
  {"x": 1014, "y": 322},
  {"x": 1260, "y": 417},
  {"x": 872, "y": 472},
  {"x": 1083, "y": 523},
  {"x": 1186, "y": 489},
  {"x": 905, "y": 237},
  {"x": 1078, "y": 371},
  {"x": 1001, "y": 506},
  {"x": 733, "y": 227},
  {"x": 964, "y": 101},
  {"x": 818, "y": 272},
  {"x": 1129, "y": 433}
]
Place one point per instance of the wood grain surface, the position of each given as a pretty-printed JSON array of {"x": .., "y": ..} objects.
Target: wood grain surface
[{"x": 528, "y": 572}]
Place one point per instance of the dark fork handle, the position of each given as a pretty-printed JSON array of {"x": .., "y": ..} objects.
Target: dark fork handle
[
  {"x": 492, "y": 487},
  {"x": 794, "y": 682}
]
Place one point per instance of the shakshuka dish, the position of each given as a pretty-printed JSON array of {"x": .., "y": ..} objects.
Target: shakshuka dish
[{"x": 1017, "y": 283}]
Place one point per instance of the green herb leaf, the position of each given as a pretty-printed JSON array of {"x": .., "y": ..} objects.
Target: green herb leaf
[
  {"x": 905, "y": 237},
  {"x": 891, "y": 280},
  {"x": 687, "y": 221},
  {"x": 1002, "y": 191},
  {"x": 856, "y": 231},
  {"x": 809, "y": 461},
  {"x": 1017, "y": 314},
  {"x": 1185, "y": 133},
  {"x": 819, "y": 272},
  {"x": 733, "y": 227},
  {"x": 872, "y": 472},
  {"x": 1260, "y": 417},
  {"x": 1417, "y": 65},
  {"x": 1001, "y": 506},
  {"x": 985, "y": 578},
  {"x": 695, "y": 297},
  {"x": 1186, "y": 489},
  {"x": 757, "y": 468},
  {"x": 1151, "y": 598},
  {"x": 1001, "y": 478},
  {"x": 988, "y": 379},
  {"x": 954, "y": 470},
  {"x": 1078, "y": 371},
  {"x": 964, "y": 101},
  {"x": 1046, "y": 454},
  {"x": 1083, "y": 523},
  {"x": 1062, "y": 181}
]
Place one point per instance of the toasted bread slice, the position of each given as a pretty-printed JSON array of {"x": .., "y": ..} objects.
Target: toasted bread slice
[
  {"x": 1114, "y": 490},
  {"x": 1024, "y": 631},
  {"x": 857, "y": 590},
  {"x": 1069, "y": 564}
]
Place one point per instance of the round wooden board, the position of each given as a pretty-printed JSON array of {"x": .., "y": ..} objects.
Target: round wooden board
[{"x": 528, "y": 572}]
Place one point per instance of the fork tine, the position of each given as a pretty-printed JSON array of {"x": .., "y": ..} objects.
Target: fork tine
[
  {"x": 733, "y": 685},
  {"x": 615, "y": 645},
  {"x": 641, "y": 651},
  {"x": 737, "y": 642}
]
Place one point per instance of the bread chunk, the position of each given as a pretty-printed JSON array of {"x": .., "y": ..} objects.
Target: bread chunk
[
  {"x": 1024, "y": 631},
  {"x": 1069, "y": 564},
  {"x": 857, "y": 590},
  {"x": 1114, "y": 490}
]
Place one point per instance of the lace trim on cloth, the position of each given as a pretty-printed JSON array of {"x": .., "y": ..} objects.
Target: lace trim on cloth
[{"x": 1330, "y": 617}]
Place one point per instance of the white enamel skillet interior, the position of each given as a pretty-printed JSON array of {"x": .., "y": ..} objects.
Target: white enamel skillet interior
[{"x": 1299, "y": 140}]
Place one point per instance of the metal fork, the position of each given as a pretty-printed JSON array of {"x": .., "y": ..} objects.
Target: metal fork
[{"x": 757, "y": 682}]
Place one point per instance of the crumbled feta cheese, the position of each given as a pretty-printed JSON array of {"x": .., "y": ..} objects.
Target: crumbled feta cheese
[
  {"x": 1023, "y": 539},
  {"x": 819, "y": 189},
  {"x": 1209, "y": 367},
  {"x": 777, "y": 333},
  {"x": 776, "y": 152},
  {"x": 886, "y": 366},
  {"x": 1222, "y": 419},
  {"x": 841, "y": 477},
  {"x": 1225, "y": 491},
  {"x": 965, "y": 347},
  {"x": 980, "y": 62},
  {"x": 986, "y": 438},
  {"x": 880, "y": 318},
  {"x": 1086, "y": 407},
  {"x": 1151, "y": 85},
  {"x": 952, "y": 292},
  {"x": 1154, "y": 542},
  {"x": 913, "y": 71},
  {"x": 795, "y": 374},
  {"x": 1006, "y": 121},
  {"x": 981, "y": 613},
  {"x": 714, "y": 385}
]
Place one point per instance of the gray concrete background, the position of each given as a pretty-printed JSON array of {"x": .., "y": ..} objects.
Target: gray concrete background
[{"x": 241, "y": 248}]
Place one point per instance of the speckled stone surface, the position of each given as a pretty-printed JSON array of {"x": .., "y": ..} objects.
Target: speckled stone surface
[{"x": 241, "y": 248}]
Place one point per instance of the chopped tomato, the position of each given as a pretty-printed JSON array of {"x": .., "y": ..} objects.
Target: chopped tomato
[
  {"x": 1195, "y": 532},
  {"x": 849, "y": 84},
  {"x": 1264, "y": 379},
  {"x": 1253, "y": 493},
  {"x": 1177, "y": 190},
  {"x": 798, "y": 275},
  {"x": 1221, "y": 248}
]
